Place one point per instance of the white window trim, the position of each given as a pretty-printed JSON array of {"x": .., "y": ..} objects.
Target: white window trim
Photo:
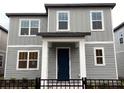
[
  {"x": 91, "y": 24},
  {"x": 27, "y": 60},
  {"x": 102, "y": 48},
  {"x": 2, "y": 60},
  {"x": 29, "y": 27},
  {"x": 57, "y": 17}
]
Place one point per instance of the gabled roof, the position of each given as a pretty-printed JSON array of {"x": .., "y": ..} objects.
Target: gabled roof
[
  {"x": 118, "y": 27},
  {"x": 3, "y": 29},
  {"x": 111, "y": 5}
]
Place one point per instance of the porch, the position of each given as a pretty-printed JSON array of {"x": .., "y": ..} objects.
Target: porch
[
  {"x": 63, "y": 59},
  {"x": 63, "y": 55}
]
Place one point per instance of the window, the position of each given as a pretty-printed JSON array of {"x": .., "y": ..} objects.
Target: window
[
  {"x": 97, "y": 21},
  {"x": 28, "y": 60},
  {"x": 121, "y": 38},
  {"x": 29, "y": 27},
  {"x": 62, "y": 20},
  {"x": 99, "y": 56},
  {"x": 1, "y": 60}
]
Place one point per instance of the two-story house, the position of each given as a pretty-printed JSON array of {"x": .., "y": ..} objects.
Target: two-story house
[
  {"x": 3, "y": 45},
  {"x": 119, "y": 44},
  {"x": 69, "y": 41}
]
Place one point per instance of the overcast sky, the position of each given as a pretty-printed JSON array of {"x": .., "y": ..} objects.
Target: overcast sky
[{"x": 34, "y": 6}]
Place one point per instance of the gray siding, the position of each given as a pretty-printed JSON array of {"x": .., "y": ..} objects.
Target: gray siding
[
  {"x": 119, "y": 47},
  {"x": 74, "y": 60},
  {"x": 3, "y": 45},
  {"x": 12, "y": 72},
  {"x": 3, "y": 64},
  {"x": 14, "y": 38},
  {"x": 120, "y": 52},
  {"x": 80, "y": 21},
  {"x": 3, "y": 40},
  {"x": 120, "y": 62},
  {"x": 100, "y": 72}
]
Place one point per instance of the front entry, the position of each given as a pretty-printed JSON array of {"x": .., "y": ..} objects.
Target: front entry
[{"x": 63, "y": 64}]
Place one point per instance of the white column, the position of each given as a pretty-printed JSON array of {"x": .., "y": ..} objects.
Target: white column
[
  {"x": 82, "y": 58},
  {"x": 44, "y": 69}
]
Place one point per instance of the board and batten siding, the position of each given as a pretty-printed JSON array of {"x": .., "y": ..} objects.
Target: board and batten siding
[
  {"x": 15, "y": 39},
  {"x": 101, "y": 72},
  {"x": 80, "y": 22},
  {"x": 74, "y": 66},
  {"x": 12, "y": 72}
]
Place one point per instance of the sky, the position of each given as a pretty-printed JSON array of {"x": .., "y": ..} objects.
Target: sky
[{"x": 37, "y": 6}]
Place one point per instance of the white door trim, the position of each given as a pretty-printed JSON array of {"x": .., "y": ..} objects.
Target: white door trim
[{"x": 69, "y": 60}]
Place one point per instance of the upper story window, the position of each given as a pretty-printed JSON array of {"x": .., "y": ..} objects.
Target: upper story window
[
  {"x": 121, "y": 38},
  {"x": 97, "y": 20},
  {"x": 62, "y": 20},
  {"x": 99, "y": 56},
  {"x": 28, "y": 60},
  {"x": 29, "y": 27}
]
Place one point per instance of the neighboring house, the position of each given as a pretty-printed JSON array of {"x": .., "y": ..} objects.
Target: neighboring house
[
  {"x": 119, "y": 44},
  {"x": 3, "y": 45},
  {"x": 69, "y": 41}
]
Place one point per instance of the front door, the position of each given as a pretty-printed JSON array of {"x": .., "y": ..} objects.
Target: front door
[{"x": 63, "y": 64}]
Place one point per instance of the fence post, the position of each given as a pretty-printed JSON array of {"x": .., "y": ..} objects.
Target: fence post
[
  {"x": 84, "y": 82},
  {"x": 37, "y": 83}
]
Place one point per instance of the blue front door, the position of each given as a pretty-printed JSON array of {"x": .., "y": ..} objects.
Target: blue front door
[{"x": 63, "y": 64}]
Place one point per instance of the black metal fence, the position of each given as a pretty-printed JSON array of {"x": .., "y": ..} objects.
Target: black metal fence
[
  {"x": 82, "y": 84},
  {"x": 55, "y": 84},
  {"x": 104, "y": 84},
  {"x": 18, "y": 84}
]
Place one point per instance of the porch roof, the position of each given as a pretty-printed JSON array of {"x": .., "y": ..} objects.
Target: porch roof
[{"x": 63, "y": 34}]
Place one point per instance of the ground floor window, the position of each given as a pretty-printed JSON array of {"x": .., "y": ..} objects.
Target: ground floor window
[
  {"x": 99, "y": 56},
  {"x": 28, "y": 59}
]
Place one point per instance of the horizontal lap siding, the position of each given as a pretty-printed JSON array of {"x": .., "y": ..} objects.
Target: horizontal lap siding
[
  {"x": 12, "y": 72},
  {"x": 3, "y": 44},
  {"x": 75, "y": 63},
  {"x": 15, "y": 39},
  {"x": 3, "y": 64},
  {"x": 74, "y": 58},
  {"x": 52, "y": 63},
  {"x": 100, "y": 72},
  {"x": 120, "y": 61},
  {"x": 80, "y": 22},
  {"x": 3, "y": 40}
]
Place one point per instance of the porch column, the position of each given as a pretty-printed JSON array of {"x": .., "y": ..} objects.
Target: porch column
[
  {"x": 82, "y": 58},
  {"x": 44, "y": 69}
]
